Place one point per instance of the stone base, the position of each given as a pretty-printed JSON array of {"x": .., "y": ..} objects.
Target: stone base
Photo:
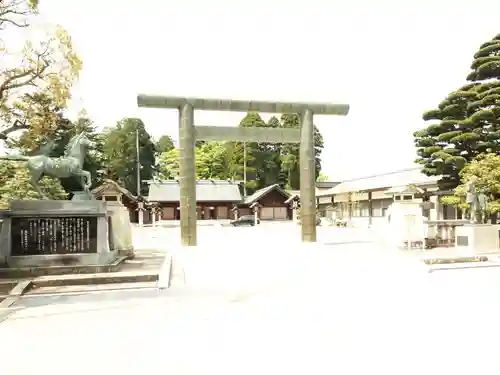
[
  {"x": 120, "y": 229},
  {"x": 55, "y": 233},
  {"x": 478, "y": 238},
  {"x": 62, "y": 260},
  {"x": 55, "y": 270}
]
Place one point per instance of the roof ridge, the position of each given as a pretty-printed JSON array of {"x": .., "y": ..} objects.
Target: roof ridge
[
  {"x": 259, "y": 193},
  {"x": 382, "y": 174},
  {"x": 205, "y": 192}
]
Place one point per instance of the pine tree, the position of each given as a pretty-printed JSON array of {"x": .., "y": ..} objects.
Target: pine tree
[
  {"x": 466, "y": 123},
  {"x": 444, "y": 146},
  {"x": 484, "y": 106}
]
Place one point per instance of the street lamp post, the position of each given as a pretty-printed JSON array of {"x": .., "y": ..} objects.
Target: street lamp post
[{"x": 140, "y": 204}]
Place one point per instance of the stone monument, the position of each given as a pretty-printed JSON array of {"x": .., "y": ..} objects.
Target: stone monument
[
  {"x": 405, "y": 219},
  {"x": 37, "y": 233},
  {"x": 477, "y": 237},
  {"x": 47, "y": 233}
]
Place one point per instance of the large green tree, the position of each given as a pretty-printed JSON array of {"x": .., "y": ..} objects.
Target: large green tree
[
  {"x": 270, "y": 163},
  {"x": 168, "y": 164},
  {"x": 269, "y": 167},
  {"x": 35, "y": 85},
  {"x": 211, "y": 162},
  {"x": 120, "y": 154},
  {"x": 45, "y": 119},
  {"x": 485, "y": 170},
  {"x": 445, "y": 145},
  {"x": 484, "y": 106},
  {"x": 49, "y": 66},
  {"x": 164, "y": 144},
  {"x": 466, "y": 123},
  {"x": 248, "y": 153},
  {"x": 290, "y": 152}
]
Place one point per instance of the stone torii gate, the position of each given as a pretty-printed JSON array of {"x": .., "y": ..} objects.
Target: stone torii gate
[{"x": 188, "y": 134}]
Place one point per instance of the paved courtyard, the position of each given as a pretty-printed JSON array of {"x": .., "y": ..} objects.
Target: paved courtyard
[{"x": 256, "y": 301}]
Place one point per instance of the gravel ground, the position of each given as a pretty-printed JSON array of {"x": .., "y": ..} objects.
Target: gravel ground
[{"x": 260, "y": 302}]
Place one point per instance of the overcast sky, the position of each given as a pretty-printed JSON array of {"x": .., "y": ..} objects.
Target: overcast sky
[{"x": 389, "y": 60}]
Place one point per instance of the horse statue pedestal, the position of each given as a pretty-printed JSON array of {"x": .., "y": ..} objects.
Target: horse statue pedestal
[
  {"x": 120, "y": 229},
  {"x": 41, "y": 233},
  {"x": 478, "y": 238},
  {"x": 82, "y": 196}
]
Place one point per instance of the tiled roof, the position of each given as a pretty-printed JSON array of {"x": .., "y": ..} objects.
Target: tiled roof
[
  {"x": 326, "y": 184},
  {"x": 262, "y": 192},
  {"x": 383, "y": 181},
  {"x": 206, "y": 191}
]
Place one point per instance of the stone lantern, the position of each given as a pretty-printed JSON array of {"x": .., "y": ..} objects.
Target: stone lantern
[
  {"x": 141, "y": 207},
  {"x": 155, "y": 210},
  {"x": 294, "y": 204},
  {"x": 236, "y": 212},
  {"x": 256, "y": 209}
]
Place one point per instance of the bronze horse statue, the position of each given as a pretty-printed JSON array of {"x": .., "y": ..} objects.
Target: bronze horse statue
[{"x": 71, "y": 164}]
